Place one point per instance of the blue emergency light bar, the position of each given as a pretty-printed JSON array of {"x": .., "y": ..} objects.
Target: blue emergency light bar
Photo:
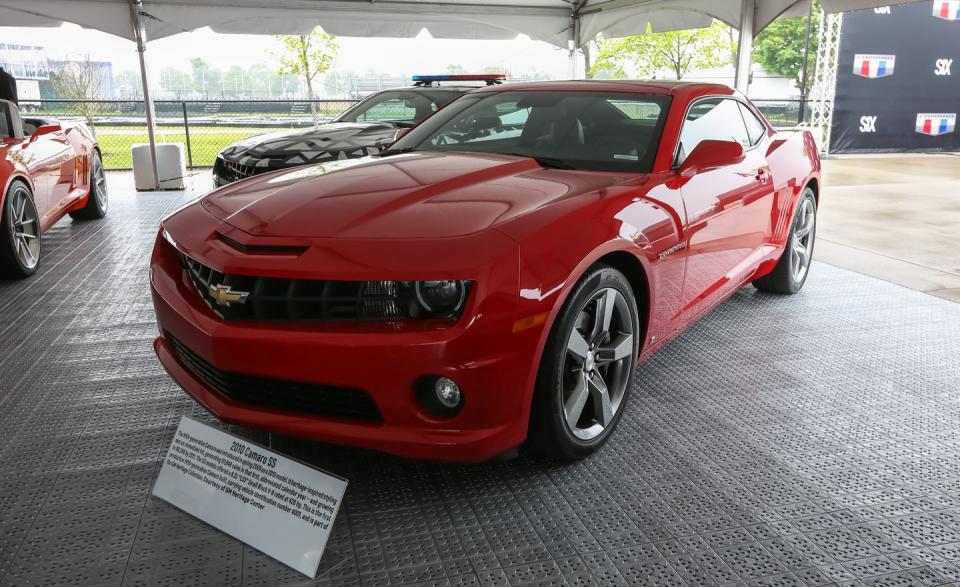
[{"x": 489, "y": 78}]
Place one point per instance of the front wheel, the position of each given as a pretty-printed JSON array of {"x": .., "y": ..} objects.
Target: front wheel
[
  {"x": 791, "y": 270},
  {"x": 19, "y": 233},
  {"x": 587, "y": 367}
]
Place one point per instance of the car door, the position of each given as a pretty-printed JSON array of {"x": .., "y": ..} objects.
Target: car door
[
  {"x": 728, "y": 208},
  {"x": 49, "y": 159}
]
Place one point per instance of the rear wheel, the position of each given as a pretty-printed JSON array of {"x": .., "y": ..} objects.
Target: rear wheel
[
  {"x": 791, "y": 270},
  {"x": 19, "y": 233},
  {"x": 587, "y": 367},
  {"x": 97, "y": 202}
]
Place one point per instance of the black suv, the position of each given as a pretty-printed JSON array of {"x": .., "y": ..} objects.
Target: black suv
[{"x": 360, "y": 131}]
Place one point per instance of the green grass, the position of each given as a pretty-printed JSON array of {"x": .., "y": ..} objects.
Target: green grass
[{"x": 205, "y": 142}]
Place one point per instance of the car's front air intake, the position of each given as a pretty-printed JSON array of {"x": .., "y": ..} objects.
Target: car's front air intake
[{"x": 279, "y": 394}]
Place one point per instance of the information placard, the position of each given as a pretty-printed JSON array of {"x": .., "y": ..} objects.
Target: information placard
[{"x": 275, "y": 504}]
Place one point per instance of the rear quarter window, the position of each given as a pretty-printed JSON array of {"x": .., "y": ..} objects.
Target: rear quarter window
[{"x": 755, "y": 129}]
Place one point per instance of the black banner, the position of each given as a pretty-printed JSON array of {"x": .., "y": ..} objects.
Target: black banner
[{"x": 898, "y": 79}]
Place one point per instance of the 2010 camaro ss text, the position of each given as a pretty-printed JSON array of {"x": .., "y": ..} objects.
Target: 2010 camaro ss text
[{"x": 493, "y": 278}]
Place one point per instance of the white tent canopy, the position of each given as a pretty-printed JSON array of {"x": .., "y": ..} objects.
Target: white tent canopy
[
  {"x": 546, "y": 20},
  {"x": 563, "y": 23}
]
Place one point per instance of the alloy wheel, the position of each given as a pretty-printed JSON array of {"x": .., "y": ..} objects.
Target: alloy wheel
[
  {"x": 26, "y": 227},
  {"x": 597, "y": 365},
  {"x": 100, "y": 184},
  {"x": 801, "y": 246}
]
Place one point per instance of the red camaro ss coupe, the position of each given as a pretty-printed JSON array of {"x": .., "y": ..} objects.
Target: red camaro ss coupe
[
  {"x": 493, "y": 278},
  {"x": 47, "y": 170}
]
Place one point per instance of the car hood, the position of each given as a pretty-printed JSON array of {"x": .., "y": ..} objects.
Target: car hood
[
  {"x": 311, "y": 143},
  {"x": 417, "y": 195}
]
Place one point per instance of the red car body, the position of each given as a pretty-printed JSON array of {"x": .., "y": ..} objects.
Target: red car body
[
  {"x": 55, "y": 164},
  {"x": 521, "y": 233}
]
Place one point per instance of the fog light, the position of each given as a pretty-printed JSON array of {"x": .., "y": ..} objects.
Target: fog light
[
  {"x": 448, "y": 392},
  {"x": 439, "y": 396}
]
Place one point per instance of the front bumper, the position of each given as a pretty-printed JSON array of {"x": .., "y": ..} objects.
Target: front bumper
[{"x": 494, "y": 366}]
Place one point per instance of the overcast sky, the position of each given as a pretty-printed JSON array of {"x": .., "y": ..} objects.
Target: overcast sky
[{"x": 423, "y": 54}]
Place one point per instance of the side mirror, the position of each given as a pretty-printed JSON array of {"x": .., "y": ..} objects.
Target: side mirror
[
  {"x": 45, "y": 130},
  {"x": 383, "y": 145},
  {"x": 710, "y": 155}
]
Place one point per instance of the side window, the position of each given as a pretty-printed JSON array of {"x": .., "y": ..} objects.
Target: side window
[
  {"x": 635, "y": 110},
  {"x": 714, "y": 119},
  {"x": 755, "y": 128},
  {"x": 395, "y": 109},
  {"x": 505, "y": 120},
  {"x": 5, "y": 130}
]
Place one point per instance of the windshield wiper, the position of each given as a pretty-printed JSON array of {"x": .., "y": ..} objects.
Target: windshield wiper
[
  {"x": 550, "y": 162},
  {"x": 389, "y": 152}
]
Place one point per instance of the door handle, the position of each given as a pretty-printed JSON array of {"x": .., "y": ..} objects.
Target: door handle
[{"x": 762, "y": 175}]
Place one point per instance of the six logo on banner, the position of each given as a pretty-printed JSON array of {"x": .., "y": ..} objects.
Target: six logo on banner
[{"x": 878, "y": 66}]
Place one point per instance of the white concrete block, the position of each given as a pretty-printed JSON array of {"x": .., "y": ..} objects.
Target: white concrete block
[{"x": 171, "y": 165}]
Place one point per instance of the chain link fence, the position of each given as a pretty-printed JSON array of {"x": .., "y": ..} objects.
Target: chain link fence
[
  {"x": 206, "y": 127},
  {"x": 203, "y": 127}
]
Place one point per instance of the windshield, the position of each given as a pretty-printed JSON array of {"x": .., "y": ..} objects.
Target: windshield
[
  {"x": 401, "y": 107},
  {"x": 595, "y": 131}
]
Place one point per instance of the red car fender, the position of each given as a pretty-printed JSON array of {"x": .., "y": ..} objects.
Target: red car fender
[
  {"x": 547, "y": 282},
  {"x": 83, "y": 141},
  {"x": 11, "y": 170},
  {"x": 550, "y": 316}
]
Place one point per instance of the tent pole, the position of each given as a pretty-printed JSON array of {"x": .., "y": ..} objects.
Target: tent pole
[
  {"x": 803, "y": 73},
  {"x": 748, "y": 16},
  {"x": 574, "y": 45},
  {"x": 139, "y": 34}
]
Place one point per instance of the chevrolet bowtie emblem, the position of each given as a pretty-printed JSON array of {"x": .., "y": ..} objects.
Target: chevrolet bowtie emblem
[{"x": 223, "y": 295}]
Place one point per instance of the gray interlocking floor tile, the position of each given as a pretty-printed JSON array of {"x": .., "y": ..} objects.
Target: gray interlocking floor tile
[{"x": 804, "y": 440}]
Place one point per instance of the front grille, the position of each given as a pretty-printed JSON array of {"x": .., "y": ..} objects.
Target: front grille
[
  {"x": 230, "y": 171},
  {"x": 307, "y": 398},
  {"x": 278, "y": 299},
  {"x": 241, "y": 171}
]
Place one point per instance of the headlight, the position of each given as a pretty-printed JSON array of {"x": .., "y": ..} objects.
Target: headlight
[
  {"x": 443, "y": 297},
  {"x": 414, "y": 299}
]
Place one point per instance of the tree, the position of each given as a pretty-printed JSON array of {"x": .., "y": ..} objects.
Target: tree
[
  {"x": 175, "y": 81},
  {"x": 779, "y": 47},
  {"x": 127, "y": 85},
  {"x": 501, "y": 69},
  {"x": 199, "y": 69},
  {"x": 79, "y": 80},
  {"x": 234, "y": 82},
  {"x": 308, "y": 56},
  {"x": 652, "y": 53}
]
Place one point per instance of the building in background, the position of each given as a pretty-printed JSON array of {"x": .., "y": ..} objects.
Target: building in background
[
  {"x": 27, "y": 64},
  {"x": 32, "y": 70}
]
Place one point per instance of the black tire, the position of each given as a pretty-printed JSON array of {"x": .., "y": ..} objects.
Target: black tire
[
  {"x": 18, "y": 205},
  {"x": 550, "y": 433},
  {"x": 791, "y": 271},
  {"x": 97, "y": 203}
]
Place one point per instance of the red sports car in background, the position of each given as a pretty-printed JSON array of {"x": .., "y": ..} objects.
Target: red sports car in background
[
  {"x": 492, "y": 278},
  {"x": 47, "y": 170}
]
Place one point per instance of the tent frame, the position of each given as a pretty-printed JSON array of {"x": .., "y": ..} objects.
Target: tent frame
[
  {"x": 562, "y": 23},
  {"x": 136, "y": 19}
]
